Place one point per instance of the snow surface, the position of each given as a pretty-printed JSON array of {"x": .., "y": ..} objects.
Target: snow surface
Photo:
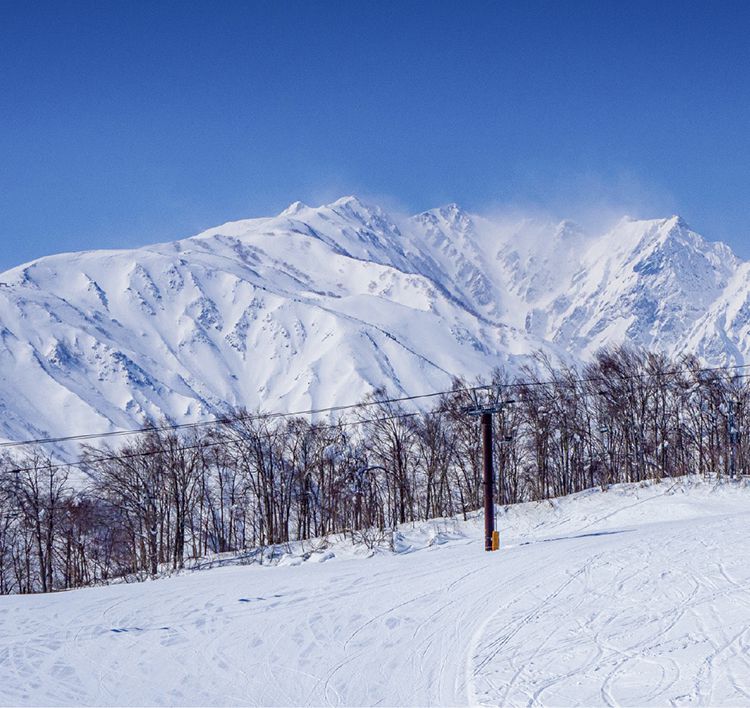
[
  {"x": 636, "y": 596},
  {"x": 318, "y": 306}
]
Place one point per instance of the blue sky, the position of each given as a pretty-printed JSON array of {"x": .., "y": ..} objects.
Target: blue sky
[{"x": 128, "y": 123}]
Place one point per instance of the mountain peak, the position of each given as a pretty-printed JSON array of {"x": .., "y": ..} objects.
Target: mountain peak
[
  {"x": 368, "y": 214},
  {"x": 294, "y": 208},
  {"x": 352, "y": 202},
  {"x": 677, "y": 222},
  {"x": 452, "y": 214},
  {"x": 675, "y": 228}
]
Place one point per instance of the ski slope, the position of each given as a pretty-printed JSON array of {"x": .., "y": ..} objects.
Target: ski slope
[{"x": 636, "y": 596}]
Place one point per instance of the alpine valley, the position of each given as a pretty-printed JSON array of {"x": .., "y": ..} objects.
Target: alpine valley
[{"x": 318, "y": 306}]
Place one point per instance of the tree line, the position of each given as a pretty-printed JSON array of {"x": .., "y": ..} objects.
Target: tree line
[{"x": 151, "y": 503}]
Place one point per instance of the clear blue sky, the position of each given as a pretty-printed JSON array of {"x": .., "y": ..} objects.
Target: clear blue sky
[{"x": 127, "y": 123}]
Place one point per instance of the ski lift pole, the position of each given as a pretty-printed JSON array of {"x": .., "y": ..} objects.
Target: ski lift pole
[
  {"x": 489, "y": 502},
  {"x": 732, "y": 442},
  {"x": 491, "y": 537}
]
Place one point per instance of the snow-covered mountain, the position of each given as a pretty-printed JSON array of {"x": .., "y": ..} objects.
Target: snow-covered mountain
[{"x": 317, "y": 306}]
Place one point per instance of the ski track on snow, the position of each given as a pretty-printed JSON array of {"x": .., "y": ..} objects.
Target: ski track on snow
[{"x": 600, "y": 599}]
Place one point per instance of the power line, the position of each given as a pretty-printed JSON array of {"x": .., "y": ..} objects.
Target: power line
[
  {"x": 116, "y": 456},
  {"x": 228, "y": 420}
]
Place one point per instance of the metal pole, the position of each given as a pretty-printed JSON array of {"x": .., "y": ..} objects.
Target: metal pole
[
  {"x": 732, "y": 443},
  {"x": 489, "y": 506}
]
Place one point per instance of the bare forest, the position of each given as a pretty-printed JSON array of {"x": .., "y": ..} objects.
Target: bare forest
[{"x": 170, "y": 495}]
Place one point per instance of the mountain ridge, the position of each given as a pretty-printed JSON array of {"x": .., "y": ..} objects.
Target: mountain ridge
[{"x": 318, "y": 306}]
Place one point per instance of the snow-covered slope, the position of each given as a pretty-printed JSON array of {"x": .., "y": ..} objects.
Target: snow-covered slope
[
  {"x": 317, "y": 306},
  {"x": 636, "y": 596},
  {"x": 647, "y": 282}
]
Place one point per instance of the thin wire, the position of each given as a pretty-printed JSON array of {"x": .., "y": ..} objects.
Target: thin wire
[
  {"x": 202, "y": 445},
  {"x": 228, "y": 420}
]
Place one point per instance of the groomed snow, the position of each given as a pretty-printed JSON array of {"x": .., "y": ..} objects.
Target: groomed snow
[{"x": 636, "y": 596}]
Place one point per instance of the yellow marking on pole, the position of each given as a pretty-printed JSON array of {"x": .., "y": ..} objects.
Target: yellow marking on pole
[{"x": 495, "y": 540}]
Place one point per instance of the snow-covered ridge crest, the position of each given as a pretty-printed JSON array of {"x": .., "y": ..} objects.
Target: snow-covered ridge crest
[{"x": 319, "y": 305}]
